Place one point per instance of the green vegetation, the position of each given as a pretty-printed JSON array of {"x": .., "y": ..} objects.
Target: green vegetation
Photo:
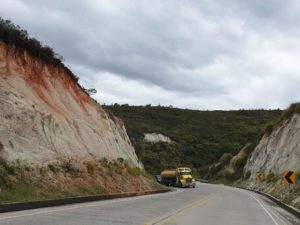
[
  {"x": 134, "y": 171},
  {"x": 113, "y": 166},
  {"x": 30, "y": 190},
  {"x": 13, "y": 35},
  {"x": 90, "y": 166},
  {"x": 298, "y": 177},
  {"x": 21, "y": 183},
  {"x": 200, "y": 138},
  {"x": 286, "y": 115},
  {"x": 271, "y": 178},
  {"x": 289, "y": 112}
]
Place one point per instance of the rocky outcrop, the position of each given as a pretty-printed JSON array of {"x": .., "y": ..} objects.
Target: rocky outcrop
[
  {"x": 278, "y": 151},
  {"x": 154, "y": 137},
  {"x": 46, "y": 116}
]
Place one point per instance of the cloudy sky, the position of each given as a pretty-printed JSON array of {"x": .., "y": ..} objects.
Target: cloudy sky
[{"x": 205, "y": 54}]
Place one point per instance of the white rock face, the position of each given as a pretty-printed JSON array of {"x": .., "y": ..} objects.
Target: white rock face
[
  {"x": 46, "y": 117},
  {"x": 154, "y": 137},
  {"x": 278, "y": 152}
]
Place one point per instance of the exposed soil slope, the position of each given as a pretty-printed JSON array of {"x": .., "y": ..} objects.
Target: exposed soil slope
[
  {"x": 46, "y": 116},
  {"x": 277, "y": 151}
]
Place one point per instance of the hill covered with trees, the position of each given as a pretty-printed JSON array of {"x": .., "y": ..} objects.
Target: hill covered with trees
[{"x": 200, "y": 138}]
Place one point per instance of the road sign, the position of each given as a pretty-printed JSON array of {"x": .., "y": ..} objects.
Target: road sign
[
  {"x": 259, "y": 176},
  {"x": 289, "y": 177}
]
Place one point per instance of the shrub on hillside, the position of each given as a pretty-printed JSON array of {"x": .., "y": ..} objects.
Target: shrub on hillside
[
  {"x": 15, "y": 36},
  {"x": 225, "y": 159},
  {"x": 289, "y": 112}
]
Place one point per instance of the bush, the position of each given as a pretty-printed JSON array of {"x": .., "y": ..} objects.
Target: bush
[
  {"x": 134, "y": 171},
  {"x": 229, "y": 176},
  {"x": 8, "y": 168},
  {"x": 90, "y": 167},
  {"x": 225, "y": 159},
  {"x": 298, "y": 177},
  {"x": 121, "y": 160},
  {"x": 67, "y": 166},
  {"x": 247, "y": 175},
  {"x": 271, "y": 178},
  {"x": 289, "y": 112},
  {"x": 103, "y": 162},
  {"x": 53, "y": 168},
  {"x": 115, "y": 168},
  {"x": 269, "y": 129}
]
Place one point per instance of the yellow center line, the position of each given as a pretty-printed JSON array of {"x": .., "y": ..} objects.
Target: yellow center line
[{"x": 187, "y": 209}]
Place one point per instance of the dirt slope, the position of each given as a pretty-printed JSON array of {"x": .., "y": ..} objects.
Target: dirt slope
[{"x": 47, "y": 117}]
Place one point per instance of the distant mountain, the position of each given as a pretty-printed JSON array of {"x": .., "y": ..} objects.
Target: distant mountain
[{"x": 199, "y": 138}]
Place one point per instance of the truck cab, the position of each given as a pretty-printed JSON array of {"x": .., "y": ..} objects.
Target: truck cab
[{"x": 184, "y": 177}]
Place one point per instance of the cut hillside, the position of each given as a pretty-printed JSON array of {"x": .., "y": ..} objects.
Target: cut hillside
[
  {"x": 199, "y": 138},
  {"x": 277, "y": 151},
  {"x": 51, "y": 126}
]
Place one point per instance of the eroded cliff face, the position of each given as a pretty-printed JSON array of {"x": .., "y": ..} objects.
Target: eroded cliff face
[
  {"x": 46, "y": 117},
  {"x": 279, "y": 151}
]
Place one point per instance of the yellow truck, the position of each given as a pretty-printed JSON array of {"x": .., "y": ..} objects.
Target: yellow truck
[{"x": 181, "y": 177}]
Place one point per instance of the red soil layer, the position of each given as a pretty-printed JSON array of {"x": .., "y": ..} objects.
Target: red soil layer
[{"x": 38, "y": 74}]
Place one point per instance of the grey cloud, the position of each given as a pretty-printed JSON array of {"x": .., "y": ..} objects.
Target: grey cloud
[{"x": 207, "y": 51}]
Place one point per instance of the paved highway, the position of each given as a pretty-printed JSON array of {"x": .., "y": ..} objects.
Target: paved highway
[{"x": 207, "y": 204}]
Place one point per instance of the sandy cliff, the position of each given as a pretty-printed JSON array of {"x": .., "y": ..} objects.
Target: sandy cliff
[
  {"x": 278, "y": 151},
  {"x": 47, "y": 117}
]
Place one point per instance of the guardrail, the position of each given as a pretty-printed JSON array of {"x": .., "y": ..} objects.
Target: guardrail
[{"x": 10, "y": 207}]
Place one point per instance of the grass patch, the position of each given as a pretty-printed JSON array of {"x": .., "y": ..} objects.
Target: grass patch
[
  {"x": 135, "y": 171},
  {"x": 271, "y": 178},
  {"x": 90, "y": 166},
  {"x": 103, "y": 162},
  {"x": 30, "y": 190},
  {"x": 114, "y": 167}
]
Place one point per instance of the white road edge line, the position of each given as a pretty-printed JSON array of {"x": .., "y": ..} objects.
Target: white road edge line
[
  {"x": 269, "y": 214},
  {"x": 79, "y": 205},
  {"x": 278, "y": 217},
  {"x": 282, "y": 220}
]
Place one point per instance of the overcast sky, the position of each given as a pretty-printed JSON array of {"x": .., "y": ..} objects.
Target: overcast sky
[{"x": 205, "y": 54}]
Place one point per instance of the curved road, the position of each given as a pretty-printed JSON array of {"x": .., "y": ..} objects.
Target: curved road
[{"x": 207, "y": 204}]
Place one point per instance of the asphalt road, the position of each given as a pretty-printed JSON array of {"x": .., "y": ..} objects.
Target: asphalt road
[{"x": 207, "y": 204}]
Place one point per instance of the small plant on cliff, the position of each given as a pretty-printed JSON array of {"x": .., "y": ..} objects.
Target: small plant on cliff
[
  {"x": 53, "y": 168},
  {"x": 289, "y": 112},
  {"x": 271, "y": 178},
  {"x": 7, "y": 168},
  {"x": 67, "y": 166},
  {"x": 298, "y": 177},
  {"x": 114, "y": 167},
  {"x": 269, "y": 129},
  {"x": 103, "y": 162},
  {"x": 134, "y": 171},
  {"x": 121, "y": 160},
  {"x": 90, "y": 166},
  {"x": 247, "y": 175}
]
